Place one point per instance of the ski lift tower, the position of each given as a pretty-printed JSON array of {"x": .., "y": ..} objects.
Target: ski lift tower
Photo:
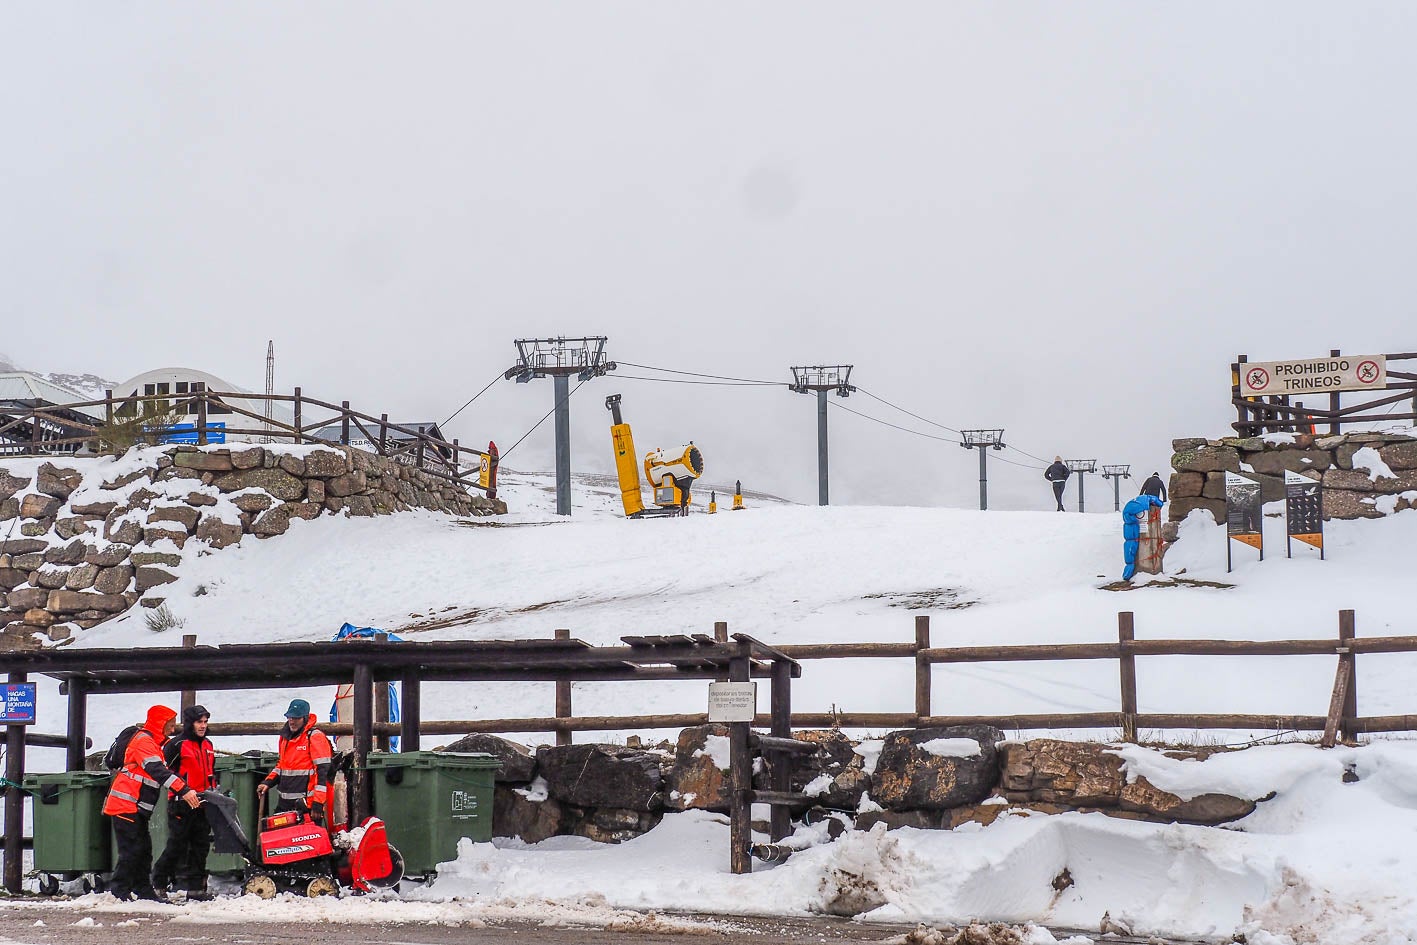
[
  {"x": 820, "y": 379},
  {"x": 983, "y": 439},
  {"x": 1082, "y": 467},
  {"x": 561, "y": 359},
  {"x": 1117, "y": 474}
]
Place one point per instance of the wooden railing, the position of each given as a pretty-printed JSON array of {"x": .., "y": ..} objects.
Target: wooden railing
[
  {"x": 1342, "y": 718},
  {"x": 440, "y": 458},
  {"x": 1276, "y": 413}
]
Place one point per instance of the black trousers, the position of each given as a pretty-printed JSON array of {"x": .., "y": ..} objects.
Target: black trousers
[
  {"x": 135, "y": 854},
  {"x": 183, "y": 864},
  {"x": 1058, "y": 494}
]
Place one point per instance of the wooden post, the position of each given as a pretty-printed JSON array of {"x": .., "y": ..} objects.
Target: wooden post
[
  {"x": 383, "y": 434},
  {"x": 1347, "y": 630},
  {"x": 922, "y": 668},
  {"x": 299, "y": 437},
  {"x": 1244, "y": 412},
  {"x": 457, "y": 458},
  {"x": 1334, "y": 720},
  {"x": 1126, "y": 633},
  {"x": 781, "y": 761},
  {"x": 189, "y": 696},
  {"x": 740, "y": 763},
  {"x": 363, "y": 741},
  {"x": 381, "y": 701},
  {"x": 14, "y": 801},
  {"x": 410, "y": 712},
  {"x": 202, "y": 419},
  {"x": 720, "y": 631},
  {"x": 78, "y": 723},
  {"x": 1334, "y": 400},
  {"x": 344, "y": 422},
  {"x": 563, "y": 697},
  {"x": 108, "y": 406},
  {"x": 419, "y": 449}
]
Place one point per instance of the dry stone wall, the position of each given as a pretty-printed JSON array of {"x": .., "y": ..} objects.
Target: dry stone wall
[
  {"x": 925, "y": 778},
  {"x": 82, "y": 540},
  {"x": 1365, "y": 475}
]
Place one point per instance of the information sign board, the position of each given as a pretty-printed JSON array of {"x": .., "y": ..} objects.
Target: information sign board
[
  {"x": 1314, "y": 375},
  {"x": 732, "y": 701},
  {"x": 19, "y": 704},
  {"x": 1304, "y": 509}
]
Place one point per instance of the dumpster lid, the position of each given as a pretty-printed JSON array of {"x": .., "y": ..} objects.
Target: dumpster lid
[{"x": 430, "y": 759}]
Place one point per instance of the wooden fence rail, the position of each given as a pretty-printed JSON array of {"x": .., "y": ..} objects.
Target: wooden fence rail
[
  {"x": 437, "y": 457},
  {"x": 1341, "y": 721}
]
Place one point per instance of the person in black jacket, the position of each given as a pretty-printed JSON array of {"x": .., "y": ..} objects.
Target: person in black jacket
[
  {"x": 1057, "y": 474},
  {"x": 1154, "y": 487},
  {"x": 184, "y": 860}
]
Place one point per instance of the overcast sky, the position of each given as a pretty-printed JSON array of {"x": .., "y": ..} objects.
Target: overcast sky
[{"x": 1062, "y": 219}]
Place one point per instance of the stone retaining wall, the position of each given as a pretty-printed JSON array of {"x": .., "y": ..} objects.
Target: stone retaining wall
[
  {"x": 82, "y": 540},
  {"x": 1352, "y": 489},
  {"x": 925, "y": 778}
]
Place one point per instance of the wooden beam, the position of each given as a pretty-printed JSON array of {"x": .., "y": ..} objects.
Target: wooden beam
[
  {"x": 1126, "y": 633},
  {"x": 363, "y": 742},
  {"x": 563, "y": 697},
  {"x": 740, "y": 764},
  {"x": 78, "y": 722},
  {"x": 14, "y": 870},
  {"x": 410, "y": 712},
  {"x": 1336, "y": 703},
  {"x": 1347, "y": 630},
  {"x": 781, "y": 817},
  {"x": 922, "y": 666}
]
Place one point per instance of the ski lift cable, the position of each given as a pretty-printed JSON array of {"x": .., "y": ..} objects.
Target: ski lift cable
[
  {"x": 676, "y": 380},
  {"x": 904, "y": 411},
  {"x": 495, "y": 378},
  {"x": 716, "y": 377},
  {"x": 866, "y": 416},
  {"x": 503, "y": 455}
]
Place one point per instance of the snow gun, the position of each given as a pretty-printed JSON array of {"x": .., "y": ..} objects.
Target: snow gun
[{"x": 671, "y": 474}]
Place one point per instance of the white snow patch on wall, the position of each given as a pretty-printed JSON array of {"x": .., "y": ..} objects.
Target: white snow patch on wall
[{"x": 952, "y": 747}]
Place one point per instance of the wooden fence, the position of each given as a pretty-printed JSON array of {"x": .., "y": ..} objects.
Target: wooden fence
[
  {"x": 46, "y": 430},
  {"x": 1276, "y": 414},
  {"x": 1342, "y": 718}
]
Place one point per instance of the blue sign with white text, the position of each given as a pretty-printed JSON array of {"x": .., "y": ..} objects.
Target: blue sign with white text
[
  {"x": 19, "y": 704},
  {"x": 187, "y": 433}
]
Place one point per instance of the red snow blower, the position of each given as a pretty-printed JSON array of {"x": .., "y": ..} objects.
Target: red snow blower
[{"x": 295, "y": 854}]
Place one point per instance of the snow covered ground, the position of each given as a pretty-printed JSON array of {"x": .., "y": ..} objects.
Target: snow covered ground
[{"x": 1322, "y": 861}]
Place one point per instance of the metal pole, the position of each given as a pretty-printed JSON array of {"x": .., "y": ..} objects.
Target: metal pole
[
  {"x": 983, "y": 480},
  {"x": 822, "y": 447},
  {"x": 14, "y": 799},
  {"x": 562, "y": 388},
  {"x": 1082, "y": 504},
  {"x": 1116, "y": 493}
]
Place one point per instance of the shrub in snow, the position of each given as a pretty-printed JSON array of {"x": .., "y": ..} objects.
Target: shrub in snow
[{"x": 160, "y": 618}]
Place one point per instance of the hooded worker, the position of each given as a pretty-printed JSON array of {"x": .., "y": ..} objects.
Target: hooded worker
[
  {"x": 184, "y": 860},
  {"x": 131, "y": 800},
  {"x": 302, "y": 774},
  {"x": 1133, "y": 514}
]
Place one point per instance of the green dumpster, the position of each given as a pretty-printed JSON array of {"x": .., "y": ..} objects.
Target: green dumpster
[
  {"x": 239, "y": 775},
  {"x": 429, "y": 800},
  {"x": 70, "y": 831}
]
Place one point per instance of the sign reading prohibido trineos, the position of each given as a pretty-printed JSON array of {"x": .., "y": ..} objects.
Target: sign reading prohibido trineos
[
  {"x": 1244, "y": 518},
  {"x": 1314, "y": 375},
  {"x": 1303, "y": 511}
]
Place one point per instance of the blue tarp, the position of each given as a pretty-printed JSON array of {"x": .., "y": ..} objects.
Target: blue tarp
[{"x": 350, "y": 632}]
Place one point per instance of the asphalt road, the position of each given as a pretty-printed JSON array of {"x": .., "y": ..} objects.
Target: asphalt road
[{"x": 66, "y": 926}]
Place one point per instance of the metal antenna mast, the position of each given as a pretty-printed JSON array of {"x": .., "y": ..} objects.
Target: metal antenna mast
[
  {"x": 1082, "y": 467},
  {"x": 559, "y": 359},
  {"x": 1117, "y": 474},
  {"x": 819, "y": 379},
  {"x": 270, "y": 384},
  {"x": 983, "y": 439}
]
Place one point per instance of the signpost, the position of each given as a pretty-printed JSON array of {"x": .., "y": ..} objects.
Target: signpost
[
  {"x": 1314, "y": 375},
  {"x": 732, "y": 701},
  {"x": 1303, "y": 512},
  {"x": 1244, "y": 518},
  {"x": 19, "y": 704}
]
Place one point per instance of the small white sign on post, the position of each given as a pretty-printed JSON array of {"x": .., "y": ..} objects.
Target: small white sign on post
[
  {"x": 732, "y": 701},
  {"x": 1314, "y": 376}
]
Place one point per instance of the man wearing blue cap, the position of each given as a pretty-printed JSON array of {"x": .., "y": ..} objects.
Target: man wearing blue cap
[{"x": 302, "y": 773}]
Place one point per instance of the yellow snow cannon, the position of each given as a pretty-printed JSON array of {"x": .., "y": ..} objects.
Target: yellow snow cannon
[{"x": 670, "y": 475}]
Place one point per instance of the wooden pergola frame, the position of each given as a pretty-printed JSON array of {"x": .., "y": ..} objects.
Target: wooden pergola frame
[{"x": 294, "y": 665}]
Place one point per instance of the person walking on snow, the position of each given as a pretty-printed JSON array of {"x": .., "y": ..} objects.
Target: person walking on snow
[
  {"x": 1057, "y": 474},
  {"x": 302, "y": 773},
  {"x": 1133, "y": 514},
  {"x": 189, "y": 836},
  {"x": 1154, "y": 486},
  {"x": 131, "y": 800}
]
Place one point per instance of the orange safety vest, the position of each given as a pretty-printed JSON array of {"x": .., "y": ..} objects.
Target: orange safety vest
[
  {"x": 134, "y": 789},
  {"x": 297, "y": 774}
]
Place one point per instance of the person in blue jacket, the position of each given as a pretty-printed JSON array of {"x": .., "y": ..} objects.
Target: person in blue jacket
[{"x": 1133, "y": 514}]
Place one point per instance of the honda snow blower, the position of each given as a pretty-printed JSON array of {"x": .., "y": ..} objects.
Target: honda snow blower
[{"x": 294, "y": 854}]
